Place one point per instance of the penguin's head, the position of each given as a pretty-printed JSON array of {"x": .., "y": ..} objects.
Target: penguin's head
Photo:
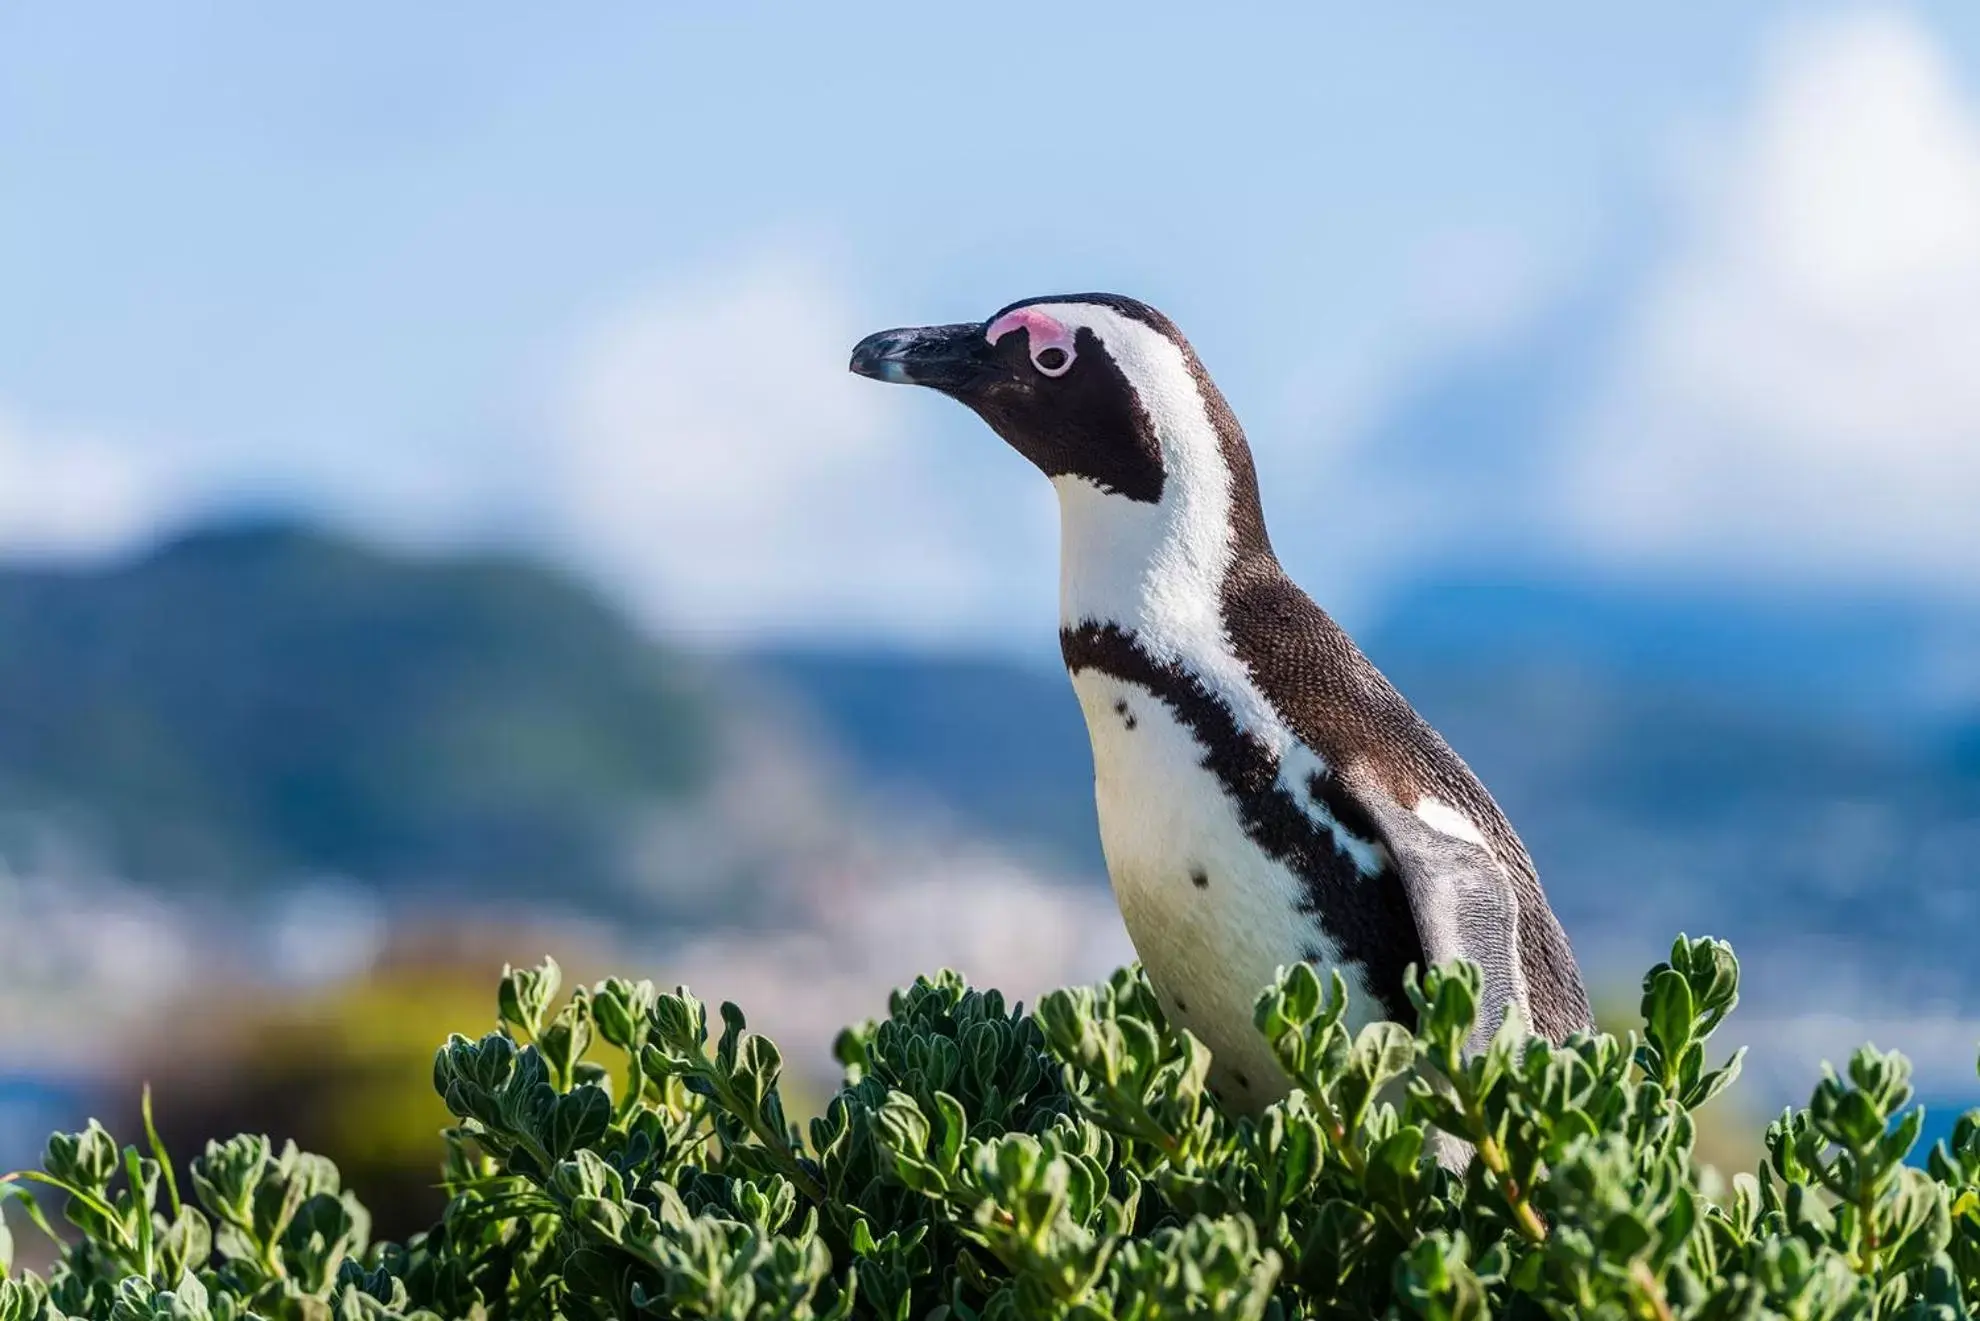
[{"x": 1089, "y": 386}]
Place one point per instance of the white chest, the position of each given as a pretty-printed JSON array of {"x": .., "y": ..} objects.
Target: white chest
[{"x": 1211, "y": 915}]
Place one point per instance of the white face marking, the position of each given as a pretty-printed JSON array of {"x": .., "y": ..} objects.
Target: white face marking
[
  {"x": 1441, "y": 817},
  {"x": 1155, "y": 569},
  {"x": 1158, "y": 569}
]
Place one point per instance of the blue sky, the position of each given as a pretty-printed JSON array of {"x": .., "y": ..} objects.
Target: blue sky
[{"x": 450, "y": 272}]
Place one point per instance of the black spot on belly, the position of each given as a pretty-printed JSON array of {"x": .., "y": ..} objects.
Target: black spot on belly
[
  {"x": 1121, "y": 710},
  {"x": 1199, "y": 878}
]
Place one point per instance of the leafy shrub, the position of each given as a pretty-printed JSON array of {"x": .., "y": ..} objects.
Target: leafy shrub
[{"x": 982, "y": 1162}]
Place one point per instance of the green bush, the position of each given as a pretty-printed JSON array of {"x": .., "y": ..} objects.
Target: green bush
[{"x": 984, "y": 1162}]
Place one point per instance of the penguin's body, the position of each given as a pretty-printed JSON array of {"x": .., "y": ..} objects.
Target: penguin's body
[{"x": 1264, "y": 795}]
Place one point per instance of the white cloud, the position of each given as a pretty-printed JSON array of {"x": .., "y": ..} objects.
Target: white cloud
[
  {"x": 68, "y": 493},
  {"x": 1798, "y": 393},
  {"x": 718, "y": 461}
]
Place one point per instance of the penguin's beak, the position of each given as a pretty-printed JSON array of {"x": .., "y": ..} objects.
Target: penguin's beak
[{"x": 945, "y": 358}]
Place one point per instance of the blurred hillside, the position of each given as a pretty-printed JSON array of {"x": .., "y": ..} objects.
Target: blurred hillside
[{"x": 257, "y": 703}]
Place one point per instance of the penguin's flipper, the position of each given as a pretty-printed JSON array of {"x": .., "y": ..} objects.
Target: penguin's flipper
[{"x": 1464, "y": 905}]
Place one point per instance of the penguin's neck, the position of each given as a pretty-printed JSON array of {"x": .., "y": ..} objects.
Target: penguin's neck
[{"x": 1158, "y": 570}]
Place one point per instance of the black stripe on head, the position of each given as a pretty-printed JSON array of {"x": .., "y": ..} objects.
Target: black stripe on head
[
  {"x": 1247, "y": 513},
  {"x": 1131, "y": 308},
  {"x": 1366, "y": 917},
  {"x": 1088, "y": 422}
]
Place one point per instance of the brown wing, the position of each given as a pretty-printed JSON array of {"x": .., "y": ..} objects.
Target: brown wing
[{"x": 1342, "y": 707}]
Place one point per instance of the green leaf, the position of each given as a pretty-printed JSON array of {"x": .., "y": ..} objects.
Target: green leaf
[
  {"x": 621, "y": 1009},
  {"x": 524, "y": 995},
  {"x": 22, "y": 1300},
  {"x": 564, "y": 1040},
  {"x": 1668, "y": 1012},
  {"x": 579, "y": 1119},
  {"x": 82, "y": 1161}
]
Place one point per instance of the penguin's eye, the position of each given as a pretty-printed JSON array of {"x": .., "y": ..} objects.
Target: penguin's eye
[
  {"x": 1049, "y": 341},
  {"x": 1052, "y": 360}
]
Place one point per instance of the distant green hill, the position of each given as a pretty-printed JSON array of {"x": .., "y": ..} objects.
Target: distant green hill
[{"x": 257, "y": 701}]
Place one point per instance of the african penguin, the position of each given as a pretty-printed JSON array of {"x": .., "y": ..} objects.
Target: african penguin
[{"x": 1265, "y": 796}]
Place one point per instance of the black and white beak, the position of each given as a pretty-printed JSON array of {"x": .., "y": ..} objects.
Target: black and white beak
[{"x": 945, "y": 358}]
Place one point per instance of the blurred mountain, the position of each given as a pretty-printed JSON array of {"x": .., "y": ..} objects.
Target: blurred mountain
[{"x": 263, "y": 701}]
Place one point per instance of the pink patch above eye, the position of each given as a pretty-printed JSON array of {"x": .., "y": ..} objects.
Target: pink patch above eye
[{"x": 1045, "y": 333}]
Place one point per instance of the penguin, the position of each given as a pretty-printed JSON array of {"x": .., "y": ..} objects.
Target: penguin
[{"x": 1265, "y": 796}]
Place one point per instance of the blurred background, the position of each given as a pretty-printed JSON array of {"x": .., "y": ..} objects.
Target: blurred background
[{"x": 437, "y": 526}]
